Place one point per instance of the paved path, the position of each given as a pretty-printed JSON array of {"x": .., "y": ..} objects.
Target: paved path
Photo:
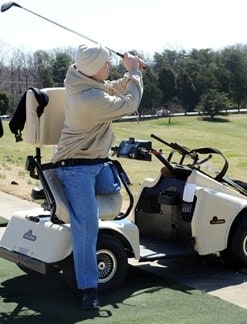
[{"x": 207, "y": 274}]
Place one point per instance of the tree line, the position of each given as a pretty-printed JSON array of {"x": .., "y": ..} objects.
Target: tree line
[{"x": 199, "y": 80}]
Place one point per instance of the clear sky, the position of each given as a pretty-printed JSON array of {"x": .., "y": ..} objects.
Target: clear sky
[{"x": 145, "y": 25}]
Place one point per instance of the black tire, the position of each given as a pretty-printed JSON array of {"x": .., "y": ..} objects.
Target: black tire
[
  {"x": 112, "y": 265},
  {"x": 236, "y": 252}
]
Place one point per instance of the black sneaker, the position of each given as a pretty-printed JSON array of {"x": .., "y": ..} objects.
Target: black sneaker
[{"x": 90, "y": 299}]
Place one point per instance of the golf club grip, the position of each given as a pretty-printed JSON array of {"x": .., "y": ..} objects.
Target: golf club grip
[{"x": 122, "y": 56}]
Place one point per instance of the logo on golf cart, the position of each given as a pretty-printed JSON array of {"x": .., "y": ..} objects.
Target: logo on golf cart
[
  {"x": 216, "y": 220},
  {"x": 29, "y": 236}
]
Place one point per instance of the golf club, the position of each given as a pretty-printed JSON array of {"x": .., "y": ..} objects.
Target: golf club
[{"x": 6, "y": 6}]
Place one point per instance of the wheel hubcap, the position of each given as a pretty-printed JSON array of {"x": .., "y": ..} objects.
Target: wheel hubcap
[{"x": 107, "y": 265}]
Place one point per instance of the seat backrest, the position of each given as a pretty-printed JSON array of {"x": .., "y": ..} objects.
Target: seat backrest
[{"x": 46, "y": 130}]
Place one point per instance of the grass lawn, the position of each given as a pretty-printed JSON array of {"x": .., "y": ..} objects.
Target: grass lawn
[{"x": 227, "y": 134}]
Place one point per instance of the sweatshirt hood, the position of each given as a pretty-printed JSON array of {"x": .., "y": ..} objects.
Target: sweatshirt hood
[{"x": 76, "y": 81}]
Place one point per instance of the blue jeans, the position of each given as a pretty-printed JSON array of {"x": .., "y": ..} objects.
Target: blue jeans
[{"x": 81, "y": 184}]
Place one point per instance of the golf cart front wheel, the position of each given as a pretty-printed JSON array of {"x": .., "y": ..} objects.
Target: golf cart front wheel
[
  {"x": 112, "y": 265},
  {"x": 236, "y": 252}
]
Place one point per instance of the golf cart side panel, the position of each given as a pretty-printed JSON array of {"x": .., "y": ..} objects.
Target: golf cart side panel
[
  {"x": 212, "y": 219},
  {"x": 125, "y": 229},
  {"x": 37, "y": 238}
]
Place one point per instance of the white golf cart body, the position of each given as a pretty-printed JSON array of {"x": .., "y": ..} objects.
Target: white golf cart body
[
  {"x": 37, "y": 238},
  {"x": 216, "y": 208},
  {"x": 182, "y": 211},
  {"x": 206, "y": 222}
]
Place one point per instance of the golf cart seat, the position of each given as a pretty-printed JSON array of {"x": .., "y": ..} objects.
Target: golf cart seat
[{"x": 45, "y": 131}]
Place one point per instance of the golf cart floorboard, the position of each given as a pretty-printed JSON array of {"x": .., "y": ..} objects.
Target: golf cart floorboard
[{"x": 154, "y": 249}]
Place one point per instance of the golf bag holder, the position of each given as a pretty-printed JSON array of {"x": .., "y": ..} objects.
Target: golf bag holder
[{"x": 44, "y": 130}]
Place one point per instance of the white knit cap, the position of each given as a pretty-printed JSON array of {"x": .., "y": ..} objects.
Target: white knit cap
[{"x": 91, "y": 59}]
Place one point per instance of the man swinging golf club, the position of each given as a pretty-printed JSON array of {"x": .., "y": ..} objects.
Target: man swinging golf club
[
  {"x": 81, "y": 157},
  {"x": 92, "y": 102}
]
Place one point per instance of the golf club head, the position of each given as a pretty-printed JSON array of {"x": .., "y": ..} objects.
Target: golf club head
[{"x": 7, "y": 5}]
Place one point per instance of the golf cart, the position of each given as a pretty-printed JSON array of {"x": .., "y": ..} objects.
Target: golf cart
[{"x": 190, "y": 208}]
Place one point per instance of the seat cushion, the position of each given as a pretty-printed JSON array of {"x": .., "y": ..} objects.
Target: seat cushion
[{"x": 109, "y": 205}]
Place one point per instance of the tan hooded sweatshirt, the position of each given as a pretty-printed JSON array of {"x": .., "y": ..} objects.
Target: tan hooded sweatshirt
[{"x": 90, "y": 108}]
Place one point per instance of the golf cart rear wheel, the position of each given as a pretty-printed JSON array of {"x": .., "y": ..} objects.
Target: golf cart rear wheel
[
  {"x": 112, "y": 265},
  {"x": 236, "y": 252}
]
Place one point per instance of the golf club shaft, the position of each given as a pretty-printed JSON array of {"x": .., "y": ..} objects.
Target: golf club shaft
[{"x": 7, "y": 6}]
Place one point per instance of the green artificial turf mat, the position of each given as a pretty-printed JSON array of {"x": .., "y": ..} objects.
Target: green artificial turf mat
[{"x": 144, "y": 298}]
